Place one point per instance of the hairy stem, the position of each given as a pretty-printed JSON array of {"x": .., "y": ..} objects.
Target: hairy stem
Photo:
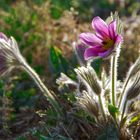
[
  {"x": 101, "y": 105},
  {"x": 42, "y": 87},
  {"x": 124, "y": 107},
  {"x": 113, "y": 79}
]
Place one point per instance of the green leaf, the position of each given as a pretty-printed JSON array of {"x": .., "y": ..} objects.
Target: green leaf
[
  {"x": 64, "y": 64},
  {"x": 113, "y": 110},
  {"x": 134, "y": 119},
  {"x": 57, "y": 62},
  {"x": 96, "y": 64},
  {"x": 54, "y": 60}
]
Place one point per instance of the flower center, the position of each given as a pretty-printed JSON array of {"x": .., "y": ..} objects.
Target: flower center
[{"x": 107, "y": 44}]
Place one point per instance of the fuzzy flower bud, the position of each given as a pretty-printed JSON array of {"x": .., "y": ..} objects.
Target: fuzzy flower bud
[
  {"x": 134, "y": 89},
  {"x": 89, "y": 76},
  {"x": 88, "y": 103},
  {"x": 10, "y": 56},
  {"x": 135, "y": 67}
]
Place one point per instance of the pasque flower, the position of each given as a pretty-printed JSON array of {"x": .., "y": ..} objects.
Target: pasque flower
[{"x": 103, "y": 42}]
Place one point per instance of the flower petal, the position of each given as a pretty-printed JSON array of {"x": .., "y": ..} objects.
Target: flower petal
[
  {"x": 118, "y": 39},
  {"x": 79, "y": 50},
  {"x": 90, "y": 39},
  {"x": 3, "y": 36},
  {"x": 106, "y": 53},
  {"x": 100, "y": 27},
  {"x": 112, "y": 30},
  {"x": 92, "y": 52}
]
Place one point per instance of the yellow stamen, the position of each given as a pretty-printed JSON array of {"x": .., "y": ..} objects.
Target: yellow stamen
[{"x": 107, "y": 44}]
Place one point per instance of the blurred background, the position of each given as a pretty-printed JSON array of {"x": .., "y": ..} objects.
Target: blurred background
[{"x": 45, "y": 31}]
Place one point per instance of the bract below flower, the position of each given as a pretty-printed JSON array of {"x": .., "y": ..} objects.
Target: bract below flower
[{"x": 103, "y": 42}]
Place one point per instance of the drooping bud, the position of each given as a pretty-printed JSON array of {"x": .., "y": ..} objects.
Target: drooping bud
[
  {"x": 135, "y": 68},
  {"x": 134, "y": 90},
  {"x": 88, "y": 103},
  {"x": 89, "y": 76},
  {"x": 10, "y": 56}
]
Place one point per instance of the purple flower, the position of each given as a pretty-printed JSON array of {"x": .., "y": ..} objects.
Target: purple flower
[
  {"x": 103, "y": 42},
  {"x": 79, "y": 50}
]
